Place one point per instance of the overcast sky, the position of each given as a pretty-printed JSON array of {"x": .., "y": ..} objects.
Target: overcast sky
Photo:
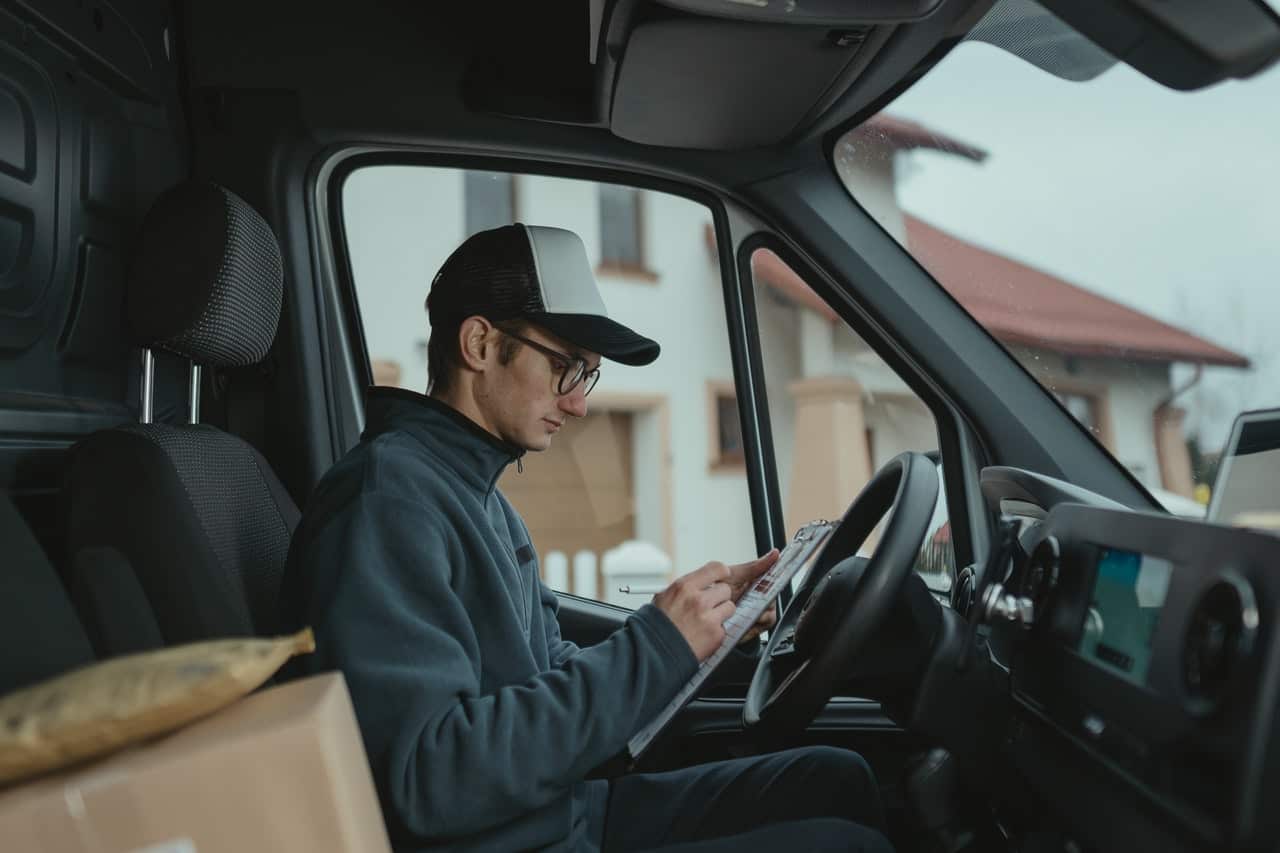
[{"x": 1166, "y": 201}]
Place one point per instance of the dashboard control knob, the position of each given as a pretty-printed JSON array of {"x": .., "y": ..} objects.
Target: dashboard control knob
[
  {"x": 962, "y": 592},
  {"x": 1219, "y": 638},
  {"x": 1001, "y": 606}
]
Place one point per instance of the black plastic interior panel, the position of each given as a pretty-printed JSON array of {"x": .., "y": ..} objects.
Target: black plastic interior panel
[
  {"x": 549, "y": 77},
  {"x": 1031, "y": 491},
  {"x": 831, "y": 13},
  {"x": 685, "y": 82},
  {"x": 90, "y": 132},
  {"x": 1153, "y": 652},
  {"x": 1184, "y": 44},
  {"x": 587, "y": 622}
]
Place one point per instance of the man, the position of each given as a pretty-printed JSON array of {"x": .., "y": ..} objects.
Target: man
[{"x": 481, "y": 723}]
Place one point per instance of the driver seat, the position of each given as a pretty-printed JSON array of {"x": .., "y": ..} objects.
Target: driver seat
[{"x": 192, "y": 515}]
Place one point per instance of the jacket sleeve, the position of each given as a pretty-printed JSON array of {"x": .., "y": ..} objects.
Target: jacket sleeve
[
  {"x": 449, "y": 760},
  {"x": 559, "y": 650}
]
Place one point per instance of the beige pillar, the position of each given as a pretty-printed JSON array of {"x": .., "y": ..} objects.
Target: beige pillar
[
  {"x": 1171, "y": 451},
  {"x": 830, "y": 458}
]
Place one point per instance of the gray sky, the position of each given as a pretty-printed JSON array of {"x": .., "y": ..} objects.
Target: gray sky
[{"x": 1163, "y": 200}]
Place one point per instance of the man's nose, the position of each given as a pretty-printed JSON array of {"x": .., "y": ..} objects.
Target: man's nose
[{"x": 575, "y": 402}]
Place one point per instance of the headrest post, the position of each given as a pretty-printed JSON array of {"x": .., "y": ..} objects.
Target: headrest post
[
  {"x": 148, "y": 384},
  {"x": 193, "y": 395}
]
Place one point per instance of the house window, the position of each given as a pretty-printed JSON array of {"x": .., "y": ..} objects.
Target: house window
[
  {"x": 726, "y": 448},
  {"x": 1088, "y": 405},
  {"x": 490, "y": 200},
  {"x": 621, "y": 243},
  {"x": 1084, "y": 408}
]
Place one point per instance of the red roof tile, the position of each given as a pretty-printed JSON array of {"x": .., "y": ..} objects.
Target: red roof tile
[
  {"x": 1022, "y": 305},
  {"x": 1019, "y": 304}
]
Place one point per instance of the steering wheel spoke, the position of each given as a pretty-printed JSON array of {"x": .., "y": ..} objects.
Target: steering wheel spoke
[{"x": 785, "y": 683}]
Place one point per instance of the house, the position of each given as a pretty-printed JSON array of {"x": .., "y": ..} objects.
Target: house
[
  {"x": 660, "y": 458},
  {"x": 1108, "y": 363}
]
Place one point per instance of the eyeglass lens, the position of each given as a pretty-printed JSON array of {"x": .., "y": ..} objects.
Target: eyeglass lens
[{"x": 576, "y": 373}]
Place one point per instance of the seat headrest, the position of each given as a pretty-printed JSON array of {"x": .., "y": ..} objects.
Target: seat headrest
[{"x": 207, "y": 279}]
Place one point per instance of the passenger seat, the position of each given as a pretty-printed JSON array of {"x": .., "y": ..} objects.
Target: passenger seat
[
  {"x": 38, "y": 627},
  {"x": 192, "y": 515}
]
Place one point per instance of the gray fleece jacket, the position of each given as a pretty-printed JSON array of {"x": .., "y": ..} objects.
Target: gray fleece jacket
[{"x": 422, "y": 586}]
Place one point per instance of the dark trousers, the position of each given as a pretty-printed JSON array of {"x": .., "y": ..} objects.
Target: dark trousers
[{"x": 815, "y": 798}]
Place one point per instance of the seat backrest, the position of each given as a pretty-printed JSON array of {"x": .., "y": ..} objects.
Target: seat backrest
[
  {"x": 197, "y": 513},
  {"x": 38, "y": 626}
]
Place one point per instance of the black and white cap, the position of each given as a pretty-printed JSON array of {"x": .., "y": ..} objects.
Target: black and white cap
[{"x": 539, "y": 274}]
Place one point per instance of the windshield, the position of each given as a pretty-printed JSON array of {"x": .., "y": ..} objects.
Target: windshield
[{"x": 1121, "y": 239}]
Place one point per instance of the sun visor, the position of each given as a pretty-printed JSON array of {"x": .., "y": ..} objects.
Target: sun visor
[{"x": 724, "y": 85}]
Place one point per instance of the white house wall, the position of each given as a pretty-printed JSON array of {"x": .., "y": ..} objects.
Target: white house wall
[
  {"x": 1134, "y": 395},
  {"x": 1131, "y": 390},
  {"x": 898, "y": 423},
  {"x": 402, "y": 222},
  {"x": 780, "y": 351}
]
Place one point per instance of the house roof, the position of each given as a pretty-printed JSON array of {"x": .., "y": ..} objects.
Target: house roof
[
  {"x": 1020, "y": 304},
  {"x": 1017, "y": 303},
  {"x": 904, "y": 135}
]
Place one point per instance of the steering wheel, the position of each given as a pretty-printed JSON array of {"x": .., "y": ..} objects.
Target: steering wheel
[{"x": 844, "y": 599}]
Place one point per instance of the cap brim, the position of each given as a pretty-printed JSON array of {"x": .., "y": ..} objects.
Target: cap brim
[{"x": 609, "y": 338}]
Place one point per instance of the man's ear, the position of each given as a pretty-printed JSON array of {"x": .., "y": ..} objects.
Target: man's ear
[{"x": 477, "y": 341}]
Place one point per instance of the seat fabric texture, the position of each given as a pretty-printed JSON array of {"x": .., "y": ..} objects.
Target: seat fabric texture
[{"x": 196, "y": 513}]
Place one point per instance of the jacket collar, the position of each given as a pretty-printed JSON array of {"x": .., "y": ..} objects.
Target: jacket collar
[{"x": 471, "y": 452}]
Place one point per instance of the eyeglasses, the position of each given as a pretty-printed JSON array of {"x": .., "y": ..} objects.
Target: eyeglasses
[{"x": 573, "y": 370}]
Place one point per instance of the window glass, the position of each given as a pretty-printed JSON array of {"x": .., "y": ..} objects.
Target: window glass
[
  {"x": 837, "y": 411},
  {"x": 620, "y": 238},
  {"x": 490, "y": 200},
  {"x": 629, "y": 495},
  {"x": 1118, "y": 237},
  {"x": 1082, "y": 408},
  {"x": 1087, "y": 408}
]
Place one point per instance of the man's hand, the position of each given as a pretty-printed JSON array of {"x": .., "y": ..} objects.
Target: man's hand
[{"x": 699, "y": 603}]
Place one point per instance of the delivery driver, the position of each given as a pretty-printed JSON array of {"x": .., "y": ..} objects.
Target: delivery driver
[{"x": 419, "y": 578}]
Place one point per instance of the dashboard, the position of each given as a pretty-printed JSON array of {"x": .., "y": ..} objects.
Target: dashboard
[{"x": 1143, "y": 670}]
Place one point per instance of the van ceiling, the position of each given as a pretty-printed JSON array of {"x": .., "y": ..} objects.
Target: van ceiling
[
  {"x": 646, "y": 83},
  {"x": 503, "y": 76}
]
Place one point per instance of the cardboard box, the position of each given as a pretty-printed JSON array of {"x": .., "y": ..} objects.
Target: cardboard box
[{"x": 281, "y": 770}]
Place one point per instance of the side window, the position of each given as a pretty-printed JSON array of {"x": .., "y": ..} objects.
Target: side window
[
  {"x": 634, "y": 493},
  {"x": 836, "y": 410}
]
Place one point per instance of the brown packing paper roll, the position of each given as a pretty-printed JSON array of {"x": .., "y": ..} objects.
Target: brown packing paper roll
[{"x": 100, "y": 708}]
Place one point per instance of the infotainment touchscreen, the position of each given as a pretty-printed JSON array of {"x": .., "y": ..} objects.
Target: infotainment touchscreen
[{"x": 1124, "y": 609}]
